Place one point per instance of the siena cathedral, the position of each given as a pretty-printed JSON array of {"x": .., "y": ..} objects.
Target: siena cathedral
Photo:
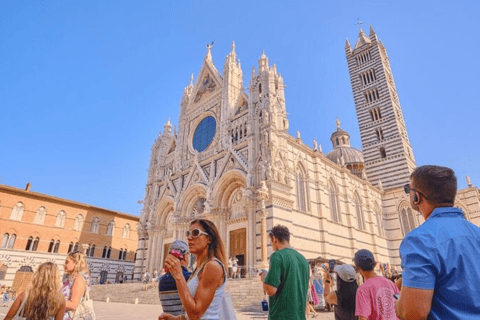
[{"x": 233, "y": 161}]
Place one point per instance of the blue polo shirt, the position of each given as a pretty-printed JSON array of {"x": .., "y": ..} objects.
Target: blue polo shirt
[{"x": 443, "y": 254}]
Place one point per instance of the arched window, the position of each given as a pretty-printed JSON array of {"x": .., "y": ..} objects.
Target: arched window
[
  {"x": 334, "y": 209},
  {"x": 111, "y": 228},
  {"x": 124, "y": 254},
  {"x": 5, "y": 238},
  {"x": 40, "y": 215},
  {"x": 301, "y": 191},
  {"x": 108, "y": 252},
  {"x": 78, "y": 223},
  {"x": 126, "y": 231},
  {"x": 383, "y": 153},
  {"x": 35, "y": 244},
  {"x": 92, "y": 250},
  {"x": 75, "y": 248},
  {"x": 95, "y": 225},
  {"x": 407, "y": 220},
  {"x": 60, "y": 221},
  {"x": 29, "y": 243},
  {"x": 51, "y": 245},
  {"x": 120, "y": 254},
  {"x": 70, "y": 247},
  {"x": 104, "y": 253},
  {"x": 359, "y": 212},
  {"x": 57, "y": 246},
  {"x": 17, "y": 212}
]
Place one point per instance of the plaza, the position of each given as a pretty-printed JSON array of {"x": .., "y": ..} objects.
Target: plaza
[{"x": 124, "y": 311}]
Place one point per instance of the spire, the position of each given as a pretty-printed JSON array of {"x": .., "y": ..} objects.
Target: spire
[
  {"x": 209, "y": 53},
  {"x": 167, "y": 127},
  {"x": 347, "y": 44},
  {"x": 262, "y": 62},
  {"x": 362, "y": 39},
  {"x": 372, "y": 32},
  {"x": 191, "y": 80}
]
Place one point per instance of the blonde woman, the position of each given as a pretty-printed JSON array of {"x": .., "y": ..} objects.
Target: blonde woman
[
  {"x": 203, "y": 295},
  {"x": 43, "y": 299},
  {"x": 77, "y": 282}
]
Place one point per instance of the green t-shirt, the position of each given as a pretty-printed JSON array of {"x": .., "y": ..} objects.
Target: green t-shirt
[{"x": 289, "y": 274}]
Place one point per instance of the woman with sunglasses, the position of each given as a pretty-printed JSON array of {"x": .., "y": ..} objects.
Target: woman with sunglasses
[
  {"x": 202, "y": 296},
  {"x": 77, "y": 282}
]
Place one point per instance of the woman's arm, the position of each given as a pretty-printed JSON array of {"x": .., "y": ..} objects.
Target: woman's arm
[
  {"x": 61, "y": 311},
  {"x": 15, "y": 306},
  {"x": 211, "y": 278},
  {"x": 78, "y": 290}
]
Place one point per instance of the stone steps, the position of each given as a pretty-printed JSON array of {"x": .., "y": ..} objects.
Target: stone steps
[{"x": 246, "y": 294}]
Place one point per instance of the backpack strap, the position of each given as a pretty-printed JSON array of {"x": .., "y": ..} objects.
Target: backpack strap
[{"x": 223, "y": 268}]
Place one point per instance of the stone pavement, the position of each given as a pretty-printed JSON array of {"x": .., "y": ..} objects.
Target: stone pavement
[{"x": 124, "y": 311}]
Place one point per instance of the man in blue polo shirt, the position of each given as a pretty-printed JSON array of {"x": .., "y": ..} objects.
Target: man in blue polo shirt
[{"x": 440, "y": 258}]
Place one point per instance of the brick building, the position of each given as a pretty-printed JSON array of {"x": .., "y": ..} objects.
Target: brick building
[{"x": 35, "y": 228}]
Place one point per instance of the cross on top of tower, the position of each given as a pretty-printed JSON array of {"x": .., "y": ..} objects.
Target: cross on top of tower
[{"x": 359, "y": 23}]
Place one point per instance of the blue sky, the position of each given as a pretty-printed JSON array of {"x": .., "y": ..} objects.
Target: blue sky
[{"x": 86, "y": 86}]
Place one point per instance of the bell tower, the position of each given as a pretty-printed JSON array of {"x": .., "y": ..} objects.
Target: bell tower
[{"x": 388, "y": 155}]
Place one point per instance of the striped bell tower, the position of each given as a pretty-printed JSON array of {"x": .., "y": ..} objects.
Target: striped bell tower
[{"x": 388, "y": 155}]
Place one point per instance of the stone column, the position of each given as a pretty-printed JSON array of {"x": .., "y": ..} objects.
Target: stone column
[{"x": 263, "y": 234}]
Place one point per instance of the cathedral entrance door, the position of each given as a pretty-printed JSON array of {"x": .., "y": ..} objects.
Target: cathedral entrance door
[{"x": 238, "y": 248}]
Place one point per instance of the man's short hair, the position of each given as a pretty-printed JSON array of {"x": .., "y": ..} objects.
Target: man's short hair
[
  {"x": 364, "y": 260},
  {"x": 281, "y": 233},
  {"x": 438, "y": 184}
]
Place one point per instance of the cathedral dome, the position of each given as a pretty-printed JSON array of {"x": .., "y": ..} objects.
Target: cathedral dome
[{"x": 350, "y": 155}]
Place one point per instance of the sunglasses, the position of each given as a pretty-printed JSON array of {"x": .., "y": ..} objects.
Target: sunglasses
[
  {"x": 407, "y": 190},
  {"x": 195, "y": 233}
]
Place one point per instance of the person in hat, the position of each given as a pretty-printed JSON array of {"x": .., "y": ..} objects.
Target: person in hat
[
  {"x": 167, "y": 287},
  {"x": 344, "y": 296},
  {"x": 374, "y": 299}
]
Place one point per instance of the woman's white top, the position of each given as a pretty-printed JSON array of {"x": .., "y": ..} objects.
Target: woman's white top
[{"x": 213, "y": 310}]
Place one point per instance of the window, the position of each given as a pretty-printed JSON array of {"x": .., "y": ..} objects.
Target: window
[
  {"x": 29, "y": 244},
  {"x": 70, "y": 247},
  {"x": 95, "y": 225},
  {"x": 75, "y": 248},
  {"x": 57, "y": 245},
  {"x": 359, "y": 212},
  {"x": 126, "y": 231},
  {"x": 104, "y": 253},
  {"x": 379, "y": 133},
  {"x": 17, "y": 212},
  {"x": 124, "y": 254},
  {"x": 407, "y": 220},
  {"x": 5, "y": 238},
  {"x": 40, "y": 215},
  {"x": 111, "y": 228},
  {"x": 78, "y": 223},
  {"x": 120, "y": 254},
  {"x": 92, "y": 251},
  {"x": 60, "y": 221},
  {"x": 333, "y": 203},
  {"x": 108, "y": 252},
  {"x": 378, "y": 215},
  {"x": 51, "y": 245},
  {"x": 383, "y": 153},
  {"x": 301, "y": 191}
]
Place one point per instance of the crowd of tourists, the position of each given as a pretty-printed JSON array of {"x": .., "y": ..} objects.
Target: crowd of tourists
[{"x": 440, "y": 276}]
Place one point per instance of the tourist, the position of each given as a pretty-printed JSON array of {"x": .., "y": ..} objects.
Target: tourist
[
  {"x": 344, "y": 296},
  {"x": 374, "y": 299},
  {"x": 154, "y": 275},
  {"x": 441, "y": 273},
  {"x": 310, "y": 300},
  {"x": 202, "y": 297},
  {"x": 230, "y": 267},
  {"x": 286, "y": 282},
  {"x": 6, "y": 296},
  {"x": 76, "y": 284},
  {"x": 167, "y": 287},
  {"x": 146, "y": 280},
  {"x": 43, "y": 299},
  {"x": 234, "y": 267}
]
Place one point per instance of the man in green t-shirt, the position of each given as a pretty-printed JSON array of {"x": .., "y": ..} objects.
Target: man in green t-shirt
[{"x": 287, "y": 280}]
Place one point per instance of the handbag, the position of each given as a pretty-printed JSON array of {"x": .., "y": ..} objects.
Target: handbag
[
  {"x": 20, "y": 310},
  {"x": 85, "y": 309}
]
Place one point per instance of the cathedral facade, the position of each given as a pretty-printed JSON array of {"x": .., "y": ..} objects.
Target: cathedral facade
[{"x": 233, "y": 161}]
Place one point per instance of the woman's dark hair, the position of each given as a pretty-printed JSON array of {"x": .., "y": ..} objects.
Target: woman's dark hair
[
  {"x": 346, "y": 293},
  {"x": 281, "y": 233},
  {"x": 215, "y": 247}
]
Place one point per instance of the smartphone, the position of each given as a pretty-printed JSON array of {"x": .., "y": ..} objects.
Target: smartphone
[{"x": 396, "y": 296}]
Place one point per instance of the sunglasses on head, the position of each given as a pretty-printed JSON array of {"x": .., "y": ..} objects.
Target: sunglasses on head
[{"x": 195, "y": 233}]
